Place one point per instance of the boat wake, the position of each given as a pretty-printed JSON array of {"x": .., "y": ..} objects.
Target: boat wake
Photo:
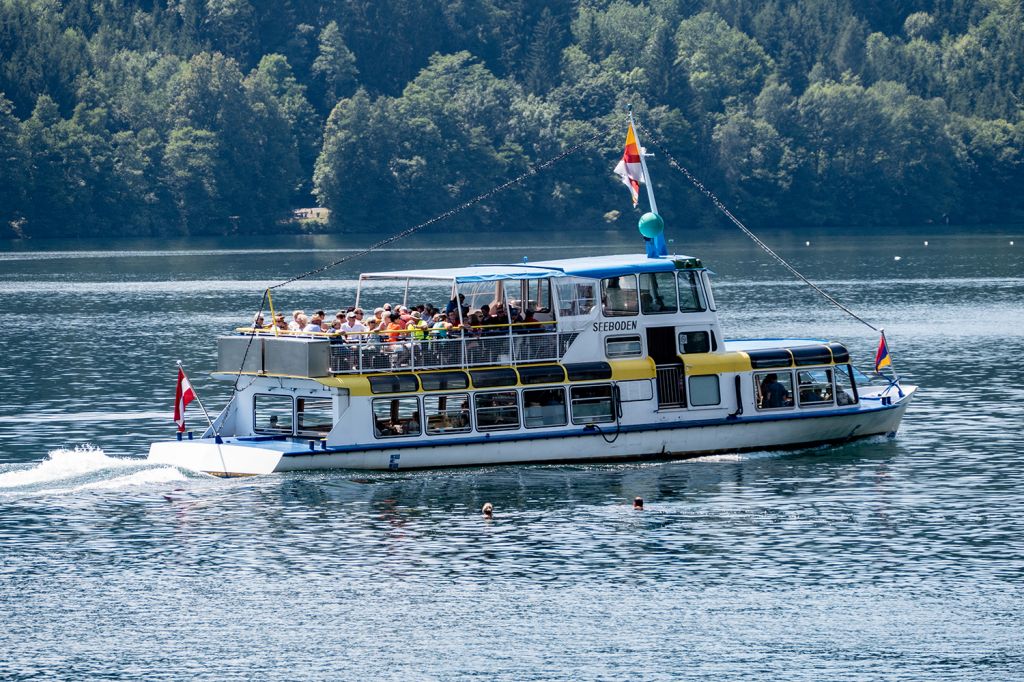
[{"x": 83, "y": 468}]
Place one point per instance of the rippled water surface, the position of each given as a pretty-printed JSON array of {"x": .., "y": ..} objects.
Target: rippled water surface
[{"x": 894, "y": 559}]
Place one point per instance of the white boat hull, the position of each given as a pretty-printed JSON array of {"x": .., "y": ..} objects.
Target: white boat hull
[{"x": 676, "y": 440}]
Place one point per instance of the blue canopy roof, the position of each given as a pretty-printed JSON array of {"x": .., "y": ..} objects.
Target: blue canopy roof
[{"x": 596, "y": 267}]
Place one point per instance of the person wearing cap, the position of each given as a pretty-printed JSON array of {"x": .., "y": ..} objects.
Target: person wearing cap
[
  {"x": 354, "y": 327},
  {"x": 417, "y": 325},
  {"x": 257, "y": 322}
]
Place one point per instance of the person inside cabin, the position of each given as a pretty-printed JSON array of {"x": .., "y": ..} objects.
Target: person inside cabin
[
  {"x": 773, "y": 393},
  {"x": 298, "y": 322}
]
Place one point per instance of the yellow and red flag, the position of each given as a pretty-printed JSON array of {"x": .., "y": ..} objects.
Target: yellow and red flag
[
  {"x": 629, "y": 168},
  {"x": 882, "y": 358}
]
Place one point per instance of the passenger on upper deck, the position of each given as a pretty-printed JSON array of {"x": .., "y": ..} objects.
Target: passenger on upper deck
[
  {"x": 279, "y": 322},
  {"x": 353, "y": 328},
  {"x": 454, "y": 305},
  {"x": 315, "y": 323},
  {"x": 298, "y": 322}
]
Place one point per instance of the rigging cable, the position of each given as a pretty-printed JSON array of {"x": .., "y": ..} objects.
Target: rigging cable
[
  {"x": 728, "y": 214},
  {"x": 534, "y": 169}
]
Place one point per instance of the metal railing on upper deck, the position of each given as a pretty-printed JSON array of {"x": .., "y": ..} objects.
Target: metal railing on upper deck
[{"x": 380, "y": 351}]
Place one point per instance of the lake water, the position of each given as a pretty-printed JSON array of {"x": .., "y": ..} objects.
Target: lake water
[{"x": 885, "y": 559}]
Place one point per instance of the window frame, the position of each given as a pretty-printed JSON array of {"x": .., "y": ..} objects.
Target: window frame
[
  {"x": 299, "y": 430},
  {"x": 279, "y": 432},
  {"x": 447, "y": 396},
  {"x": 550, "y": 389},
  {"x": 690, "y": 390},
  {"x": 758, "y": 379},
  {"x": 619, "y": 338},
  {"x": 604, "y": 296},
  {"x": 500, "y": 427},
  {"x": 815, "y": 404},
  {"x": 373, "y": 417},
  {"x": 653, "y": 277},
  {"x": 573, "y": 401},
  {"x": 696, "y": 284},
  {"x": 681, "y": 347}
]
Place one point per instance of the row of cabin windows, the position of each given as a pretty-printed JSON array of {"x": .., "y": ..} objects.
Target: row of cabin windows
[
  {"x": 277, "y": 415},
  {"x": 816, "y": 387},
  {"x": 489, "y": 378},
  {"x": 631, "y": 345},
  {"x": 488, "y": 411},
  {"x": 653, "y": 293}
]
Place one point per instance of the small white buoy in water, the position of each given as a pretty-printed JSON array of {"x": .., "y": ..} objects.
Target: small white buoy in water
[
  {"x": 898, "y": 258},
  {"x": 1011, "y": 242},
  {"x": 926, "y": 242},
  {"x": 807, "y": 243}
]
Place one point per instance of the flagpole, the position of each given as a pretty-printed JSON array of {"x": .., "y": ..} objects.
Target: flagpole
[
  {"x": 892, "y": 365},
  {"x": 216, "y": 432}
]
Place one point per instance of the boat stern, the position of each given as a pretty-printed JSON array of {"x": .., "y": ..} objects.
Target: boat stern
[{"x": 226, "y": 459}]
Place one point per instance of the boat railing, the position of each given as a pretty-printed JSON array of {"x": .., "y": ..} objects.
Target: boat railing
[{"x": 486, "y": 345}]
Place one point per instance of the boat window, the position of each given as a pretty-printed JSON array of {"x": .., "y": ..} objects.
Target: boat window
[
  {"x": 694, "y": 342},
  {"x": 705, "y": 390},
  {"x": 394, "y": 383},
  {"x": 315, "y": 416},
  {"x": 709, "y": 296},
  {"x": 538, "y": 299},
  {"x": 815, "y": 387},
  {"x": 589, "y": 371},
  {"x": 846, "y": 391},
  {"x": 441, "y": 381},
  {"x": 544, "y": 407},
  {"x": 490, "y": 378},
  {"x": 689, "y": 292},
  {"x": 619, "y": 296},
  {"x": 542, "y": 374},
  {"x": 623, "y": 346},
  {"x": 592, "y": 404},
  {"x": 658, "y": 293},
  {"x": 575, "y": 296},
  {"x": 497, "y": 410},
  {"x": 447, "y": 413},
  {"x": 773, "y": 390},
  {"x": 396, "y": 417},
  {"x": 272, "y": 414}
]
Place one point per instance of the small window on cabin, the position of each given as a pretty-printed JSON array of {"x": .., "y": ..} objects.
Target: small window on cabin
[
  {"x": 497, "y": 410},
  {"x": 541, "y": 374},
  {"x": 315, "y": 416},
  {"x": 272, "y": 414},
  {"x": 491, "y": 378},
  {"x": 815, "y": 387},
  {"x": 689, "y": 292},
  {"x": 394, "y": 417},
  {"x": 442, "y": 381},
  {"x": 538, "y": 299},
  {"x": 708, "y": 293},
  {"x": 619, "y": 296},
  {"x": 705, "y": 391},
  {"x": 623, "y": 346},
  {"x": 694, "y": 342},
  {"x": 395, "y": 383},
  {"x": 658, "y": 293},
  {"x": 773, "y": 390},
  {"x": 592, "y": 404},
  {"x": 846, "y": 392},
  {"x": 447, "y": 413},
  {"x": 544, "y": 407},
  {"x": 576, "y": 297}
]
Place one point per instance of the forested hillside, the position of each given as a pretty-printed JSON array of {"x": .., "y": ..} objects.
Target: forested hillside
[{"x": 177, "y": 117}]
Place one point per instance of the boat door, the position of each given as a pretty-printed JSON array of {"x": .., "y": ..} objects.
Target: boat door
[{"x": 661, "y": 347}]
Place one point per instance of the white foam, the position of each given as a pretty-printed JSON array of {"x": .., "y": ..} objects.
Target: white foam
[{"x": 68, "y": 466}]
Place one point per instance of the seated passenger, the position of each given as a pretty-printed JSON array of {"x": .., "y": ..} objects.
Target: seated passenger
[
  {"x": 773, "y": 393},
  {"x": 842, "y": 397},
  {"x": 440, "y": 328},
  {"x": 315, "y": 323},
  {"x": 257, "y": 322},
  {"x": 279, "y": 322},
  {"x": 353, "y": 328},
  {"x": 417, "y": 326},
  {"x": 298, "y": 322}
]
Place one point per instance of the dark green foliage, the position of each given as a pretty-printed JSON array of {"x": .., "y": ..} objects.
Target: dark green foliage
[{"x": 183, "y": 117}]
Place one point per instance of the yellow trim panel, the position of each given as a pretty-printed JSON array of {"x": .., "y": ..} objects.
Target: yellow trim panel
[{"x": 716, "y": 363}]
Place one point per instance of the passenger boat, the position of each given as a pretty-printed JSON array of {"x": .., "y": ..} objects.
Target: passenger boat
[{"x": 597, "y": 358}]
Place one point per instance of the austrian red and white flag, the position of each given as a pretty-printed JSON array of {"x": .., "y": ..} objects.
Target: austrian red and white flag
[
  {"x": 182, "y": 397},
  {"x": 629, "y": 168}
]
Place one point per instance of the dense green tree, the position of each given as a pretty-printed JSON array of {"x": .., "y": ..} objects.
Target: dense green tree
[{"x": 334, "y": 67}]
